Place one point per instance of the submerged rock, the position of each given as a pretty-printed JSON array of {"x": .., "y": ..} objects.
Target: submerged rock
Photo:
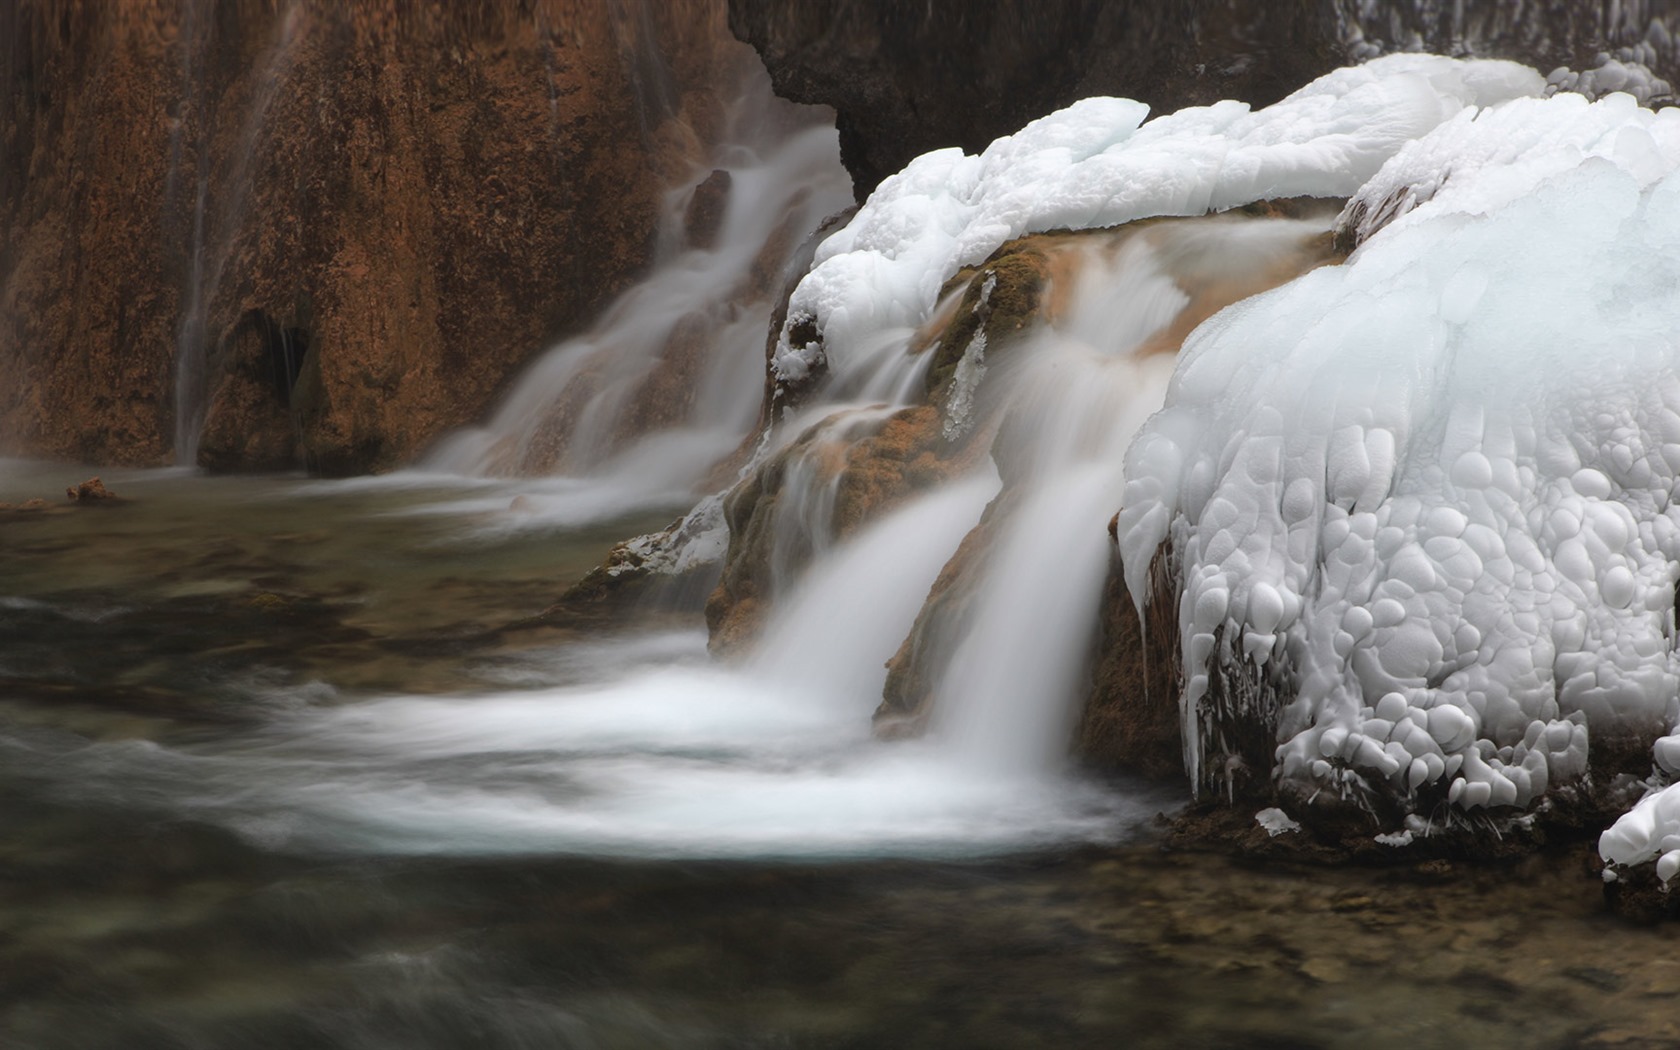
[{"x": 92, "y": 490}]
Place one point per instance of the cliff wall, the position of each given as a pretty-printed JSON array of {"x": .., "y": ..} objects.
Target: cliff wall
[{"x": 320, "y": 235}]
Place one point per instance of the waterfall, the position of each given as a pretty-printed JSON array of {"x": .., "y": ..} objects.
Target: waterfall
[
  {"x": 1073, "y": 398},
  {"x": 669, "y": 380},
  {"x": 211, "y": 246},
  {"x": 773, "y": 756}
]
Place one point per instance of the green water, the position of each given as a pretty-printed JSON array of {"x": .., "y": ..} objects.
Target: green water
[{"x": 204, "y": 609}]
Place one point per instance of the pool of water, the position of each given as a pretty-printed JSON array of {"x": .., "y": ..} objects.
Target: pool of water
[{"x": 271, "y": 776}]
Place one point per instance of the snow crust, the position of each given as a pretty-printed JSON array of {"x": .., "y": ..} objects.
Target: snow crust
[
  {"x": 1425, "y": 498},
  {"x": 1097, "y": 163}
]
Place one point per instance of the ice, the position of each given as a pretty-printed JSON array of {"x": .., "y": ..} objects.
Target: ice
[
  {"x": 1472, "y": 505},
  {"x": 1650, "y": 830},
  {"x": 1098, "y": 163},
  {"x": 1479, "y": 160},
  {"x": 1275, "y": 821}
]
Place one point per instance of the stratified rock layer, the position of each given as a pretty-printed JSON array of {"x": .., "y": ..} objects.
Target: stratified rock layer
[{"x": 329, "y": 233}]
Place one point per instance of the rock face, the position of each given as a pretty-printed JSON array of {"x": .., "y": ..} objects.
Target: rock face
[
  {"x": 324, "y": 233},
  {"x": 908, "y": 78},
  {"x": 858, "y": 464}
]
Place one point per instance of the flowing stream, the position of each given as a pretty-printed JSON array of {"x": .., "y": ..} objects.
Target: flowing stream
[
  {"x": 268, "y": 778},
  {"x": 283, "y": 765}
]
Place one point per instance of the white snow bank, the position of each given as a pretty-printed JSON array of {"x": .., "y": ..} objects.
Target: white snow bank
[
  {"x": 1097, "y": 164},
  {"x": 1490, "y": 158},
  {"x": 1430, "y": 491}
]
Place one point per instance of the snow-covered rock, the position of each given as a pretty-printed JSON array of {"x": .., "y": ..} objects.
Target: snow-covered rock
[
  {"x": 1423, "y": 501},
  {"x": 1098, "y": 163}
]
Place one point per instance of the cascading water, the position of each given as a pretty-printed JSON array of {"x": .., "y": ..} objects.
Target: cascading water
[
  {"x": 669, "y": 380},
  {"x": 774, "y": 756},
  {"x": 1074, "y": 397}
]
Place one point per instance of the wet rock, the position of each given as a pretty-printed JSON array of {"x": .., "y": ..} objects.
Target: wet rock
[
  {"x": 907, "y": 697},
  {"x": 1130, "y": 719},
  {"x": 1636, "y": 894},
  {"x": 870, "y": 465},
  {"x": 90, "y": 491},
  {"x": 667, "y": 572},
  {"x": 704, "y": 216}
]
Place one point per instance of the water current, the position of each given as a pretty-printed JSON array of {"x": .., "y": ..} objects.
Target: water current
[{"x": 272, "y": 774}]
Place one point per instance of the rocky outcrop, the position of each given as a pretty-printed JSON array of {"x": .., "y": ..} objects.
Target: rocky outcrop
[
  {"x": 325, "y": 233},
  {"x": 92, "y": 490},
  {"x": 1130, "y": 719},
  {"x": 907, "y": 78}
]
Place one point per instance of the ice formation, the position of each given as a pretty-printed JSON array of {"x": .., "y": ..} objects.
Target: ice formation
[
  {"x": 1648, "y": 832},
  {"x": 1421, "y": 502},
  {"x": 1096, "y": 163}
]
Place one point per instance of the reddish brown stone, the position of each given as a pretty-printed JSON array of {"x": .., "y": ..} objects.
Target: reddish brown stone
[
  {"x": 415, "y": 198},
  {"x": 90, "y": 491}
]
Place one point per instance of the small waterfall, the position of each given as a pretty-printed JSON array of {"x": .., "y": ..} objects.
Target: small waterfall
[
  {"x": 804, "y": 526},
  {"x": 836, "y": 631},
  {"x": 669, "y": 380},
  {"x": 1071, "y": 401},
  {"x": 213, "y": 234}
]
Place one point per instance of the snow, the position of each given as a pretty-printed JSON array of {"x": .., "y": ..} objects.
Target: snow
[
  {"x": 1493, "y": 157},
  {"x": 1097, "y": 163},
  {"x": 1649, "y": 831},
  {"x": 1276, "y": 822},
  {"x": 1427, "y": 494}
]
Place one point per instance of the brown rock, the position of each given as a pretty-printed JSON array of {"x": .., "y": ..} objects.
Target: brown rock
[
  {"x": 345, "y": 226},
  {"x": 90, "y": 491},
  {"x": 906, "y": 698},
  {"x": 1130, "y": 720},
  {"x": 704, "y": 216}
]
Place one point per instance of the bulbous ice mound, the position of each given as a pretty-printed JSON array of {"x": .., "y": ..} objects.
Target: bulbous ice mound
[
  {"x": 1095, "y": 164},
  {"x": 1422, "y": 502}
]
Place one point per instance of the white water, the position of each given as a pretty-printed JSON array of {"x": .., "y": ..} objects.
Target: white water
[
  {"x": 698, "y": 311},
  {"x": 1074, "y": 399},
  {"x": 650, "y": 751},
  {"x": 640, "y": 747}
]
